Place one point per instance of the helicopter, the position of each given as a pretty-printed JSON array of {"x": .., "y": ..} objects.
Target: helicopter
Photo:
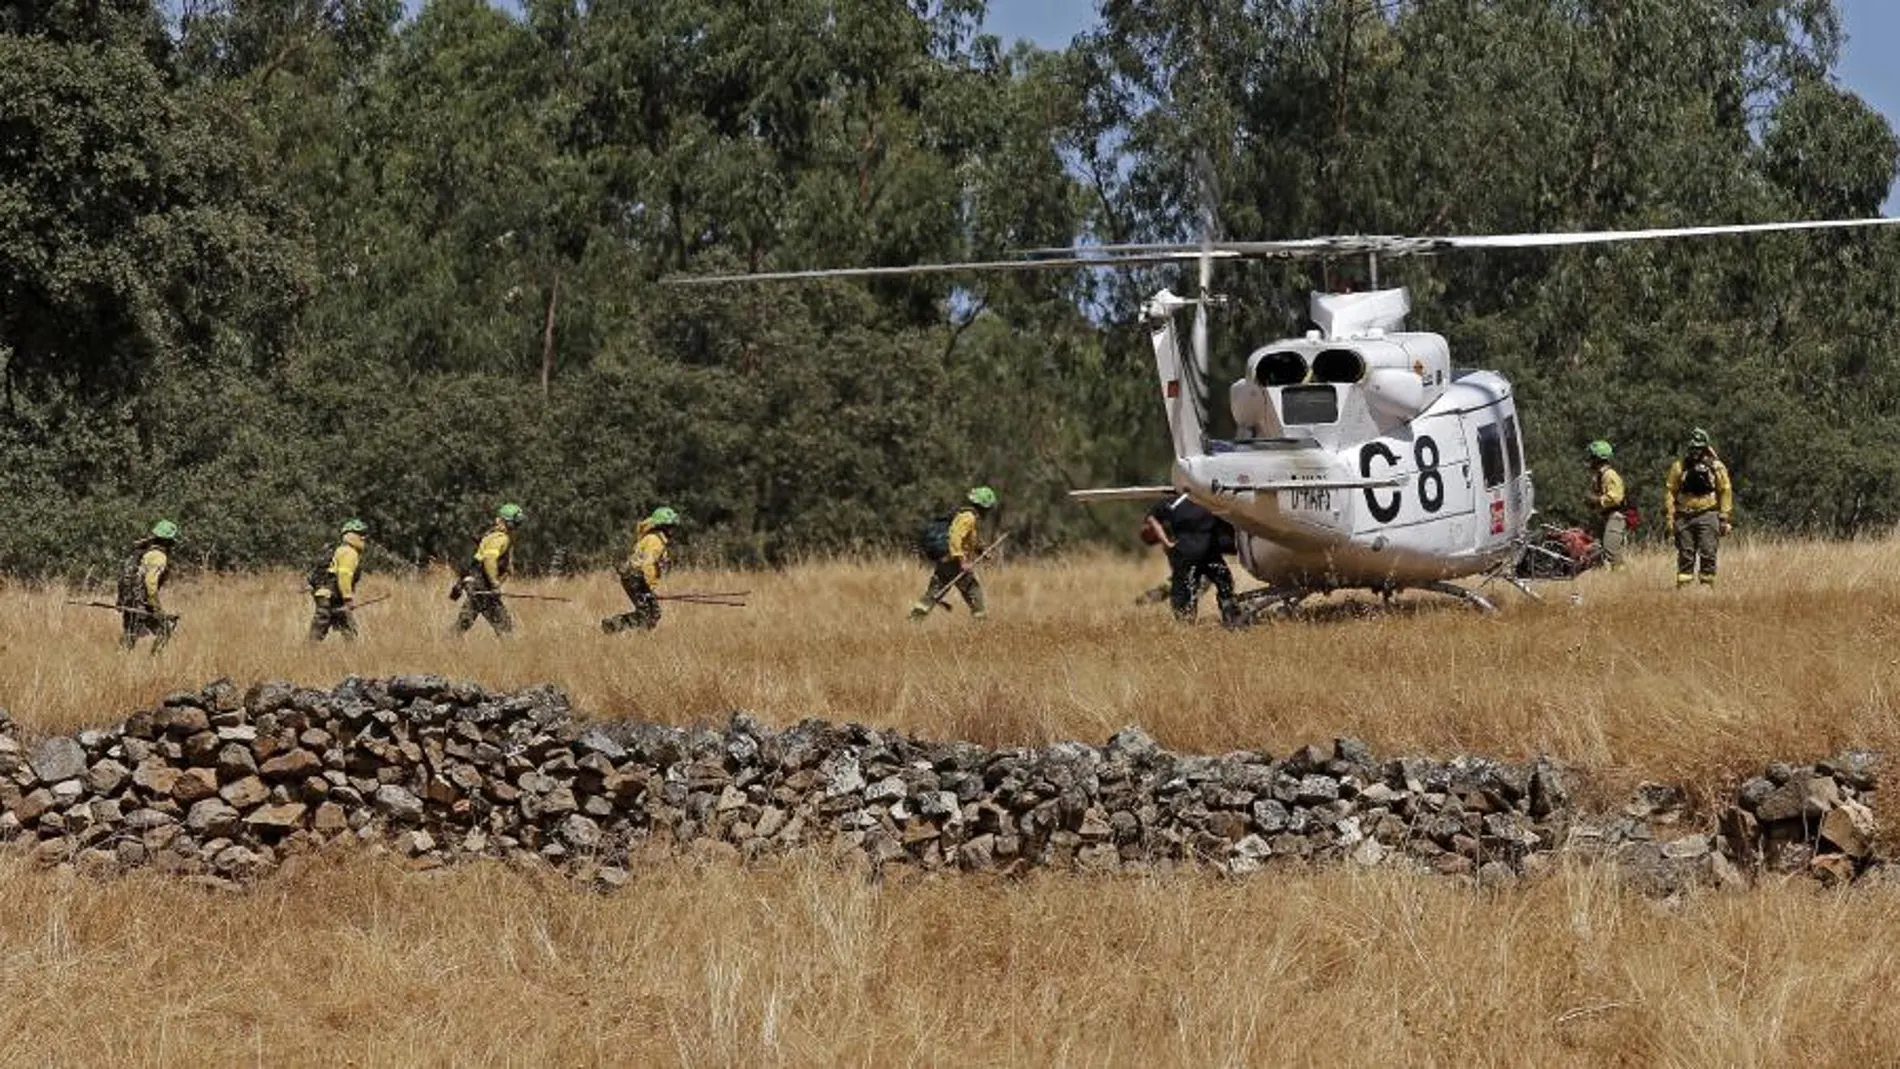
[{"x": 1363, "y": 458}]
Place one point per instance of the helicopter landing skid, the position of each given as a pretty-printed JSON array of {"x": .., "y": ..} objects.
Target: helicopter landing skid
[{"x": 1465, "y": 594}]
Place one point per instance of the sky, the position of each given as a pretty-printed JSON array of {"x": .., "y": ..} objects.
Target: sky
[{"x": 1868, "y": 64}]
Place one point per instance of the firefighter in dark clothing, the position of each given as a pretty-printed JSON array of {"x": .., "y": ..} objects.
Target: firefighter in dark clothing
[{"x": 1195, "y": 539}]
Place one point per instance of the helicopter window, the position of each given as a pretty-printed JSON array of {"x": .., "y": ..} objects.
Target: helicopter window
[
  {"x": 1280, "y": 369},
  {"x": 1513, "y": 449},
  {"x": 1338, "y": 365},
  {"x": 1309, "y": 404},
  {"x": 1491, "y": 454}
]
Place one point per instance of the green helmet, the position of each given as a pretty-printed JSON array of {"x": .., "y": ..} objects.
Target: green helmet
[
  {"x": 166, "y": 530},
  {"x": 510, "y": 514},
  {"x": 1698, "y": 439},
  {"x": 983, "y": 497},
  {"x": 1600, "y": 450},
  {"x": 663, "y": 517},
  {"x": 355, "y": 526}
]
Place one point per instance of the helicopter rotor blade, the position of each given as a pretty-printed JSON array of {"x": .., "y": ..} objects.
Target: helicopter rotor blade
[
  {"x": 1078, "y": 257},
  {"x": 1206, "y": 251},
  {"x": 1404, "y": 245}
]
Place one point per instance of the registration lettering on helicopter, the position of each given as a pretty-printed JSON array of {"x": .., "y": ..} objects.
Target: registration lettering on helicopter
[{"x": 1308, "y": 500}]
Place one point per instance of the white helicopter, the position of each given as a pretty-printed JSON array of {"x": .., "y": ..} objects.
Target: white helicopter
[{"x": 1363, "y": 458}]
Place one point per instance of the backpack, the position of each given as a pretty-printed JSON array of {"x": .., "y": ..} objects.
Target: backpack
[
  {"x": 1698, "y": 476},
  {"x": 131, "y": 584},
  {"x": 319, "y": 575},
  {"x": 933, "y": 539}
]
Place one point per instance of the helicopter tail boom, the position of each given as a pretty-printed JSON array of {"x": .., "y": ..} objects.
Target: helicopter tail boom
[{"x": 1180, "y": 383}]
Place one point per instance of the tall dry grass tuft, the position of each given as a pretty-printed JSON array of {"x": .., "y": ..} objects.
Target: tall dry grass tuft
[{"x": 799, "y": 962}]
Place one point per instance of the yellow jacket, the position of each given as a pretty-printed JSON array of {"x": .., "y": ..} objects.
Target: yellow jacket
[
  {"x": 648, "y": 556},
  {"x": 492, "y": 553},
  {"x": 963, "y": 544},
  {"x": 153, "y": 567},
  {"x": 1606, "y": 490},
  {"x": 1722, "y": 500},
  {"x": 343, "y": 566}
]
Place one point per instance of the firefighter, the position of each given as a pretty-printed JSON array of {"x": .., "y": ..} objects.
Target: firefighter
[
  {"x": 141, "y": 578},
  {"x": 1609, "y": 504},
  {"x": 493, "y": 560},
  {"x": 1698, "y": 502},
  {"x": 640, "y": 572},
  {"x": 333, "y": 585},
  {"x": 1195, "y": 539},
  {"x": 955, "y": 566}
]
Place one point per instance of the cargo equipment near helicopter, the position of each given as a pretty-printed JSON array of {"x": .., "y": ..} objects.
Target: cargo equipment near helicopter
[{"x": 1363, "y": 458}]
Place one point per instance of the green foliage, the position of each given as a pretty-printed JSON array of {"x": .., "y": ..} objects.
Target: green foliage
[{"x": 280, "y": 263}]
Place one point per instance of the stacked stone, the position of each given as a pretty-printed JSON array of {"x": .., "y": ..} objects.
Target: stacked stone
[
  {"x": 1805, "y": 818},
  {"x": 225, "y": 785}
]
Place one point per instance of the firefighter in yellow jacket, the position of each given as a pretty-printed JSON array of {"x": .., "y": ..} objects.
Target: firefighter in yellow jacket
[
  {"x": 1608, "y": 503},
  {"x": 1698, "y": 502},
  {"x": 640, "y": 572},
  {"x": 140, "y": 579},
  {"x": 333, "y": 585},
  {"x": 481, "y": 583},
  {"x": 956, "y": 566}
]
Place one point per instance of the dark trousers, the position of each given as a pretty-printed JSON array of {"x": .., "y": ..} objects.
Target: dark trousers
[
  {"x": 136, "y": 625},
  {"x": 479, "y": 598},
  {"x": 946, "y": 574},
  {"x": 1186, "y": 576},
  {"x": 646, "y": 607},
  {"x": 330, "y": 614},
  {"x": 1697, "y": 538}
]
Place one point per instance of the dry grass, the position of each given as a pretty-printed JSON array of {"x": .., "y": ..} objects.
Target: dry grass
[
  {"x": 359, "y": 963},
  {"x": 802, "y": 963}
]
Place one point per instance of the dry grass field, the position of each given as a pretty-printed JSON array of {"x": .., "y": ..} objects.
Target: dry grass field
[{"x": 351, "y": 959}]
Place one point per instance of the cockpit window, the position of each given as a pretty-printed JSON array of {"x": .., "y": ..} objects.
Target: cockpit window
[
  {"x": 1280, "y": 369},
  {"x": 1491, "y": 454},
  {"x": 1338, "y": 365},
  {"x": 1303, "y": 405}
]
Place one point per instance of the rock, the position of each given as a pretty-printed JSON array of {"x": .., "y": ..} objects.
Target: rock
[
  {"x": 1859, "y": 769},
  {"x": 194, "y": 784},
  {"x": 1368, "y": 852},
  {"x": 1133, "y": 745},
  {"x": 1850, "y": 828},
  {"x": 330, "y": 819},
  {"x": 282, "y": 817},
  {"x": 580, "y": 832},
  {"x": 292, "y": 765},
  {"x": 33, "y": 806},
  {"x": 1802, "y": 798},
  {"x": 107, "y": 777},
  {"x": 234, "y": 761},
  {"x": 1833, "y": 870},
  {"x": 842, "y": 775},
  {"x": 181, "y": 721},
  {"x": 1316, "y": 790},
  {"x": 245, "y": 793},
  {"x": 398, "y": 804},
  {"x": 212, "y": 817},
  {"x": 155, "y": 777},
  {"x": 1687, "y": 848},
  {"x": 57, "y": 759},
  {"x": 887, "y": 790}
]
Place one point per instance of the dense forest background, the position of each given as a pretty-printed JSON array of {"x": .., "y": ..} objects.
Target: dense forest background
[{"x": 268, "y": 263}]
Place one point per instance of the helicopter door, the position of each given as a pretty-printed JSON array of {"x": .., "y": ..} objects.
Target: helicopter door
[
  {"x": 1494, "y": 509},
  {"x": 1517, "y": 497}
]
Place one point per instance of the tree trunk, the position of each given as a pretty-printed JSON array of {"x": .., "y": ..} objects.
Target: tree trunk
[{"x": 547, "y": 333}]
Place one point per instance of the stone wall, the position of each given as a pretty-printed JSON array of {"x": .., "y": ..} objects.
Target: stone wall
[{"x": 223, "y": 784}]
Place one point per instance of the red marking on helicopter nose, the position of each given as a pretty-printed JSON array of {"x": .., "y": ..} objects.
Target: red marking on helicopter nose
[
  {"x": 1173, "y": 389},
  {"x": 1497, "y": 517}
]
